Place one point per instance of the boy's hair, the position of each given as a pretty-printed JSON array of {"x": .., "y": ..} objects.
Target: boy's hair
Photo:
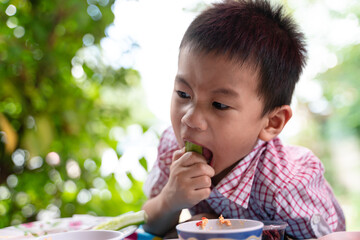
[{"x": 253, "y": 32}]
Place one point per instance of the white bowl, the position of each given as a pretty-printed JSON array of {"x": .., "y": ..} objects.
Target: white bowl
[
  {"x": 84, "y": 235},
  {"x": 240, "y": 229}
]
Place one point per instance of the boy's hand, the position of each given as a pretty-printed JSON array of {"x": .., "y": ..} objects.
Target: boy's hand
[{"x": 189, "y": 180}]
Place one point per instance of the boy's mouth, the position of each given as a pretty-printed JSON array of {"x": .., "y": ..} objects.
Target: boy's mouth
[{"x": 208, "y": 155}]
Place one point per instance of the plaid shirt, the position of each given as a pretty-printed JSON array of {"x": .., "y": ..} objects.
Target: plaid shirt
[{"x": 273, "y": 182}]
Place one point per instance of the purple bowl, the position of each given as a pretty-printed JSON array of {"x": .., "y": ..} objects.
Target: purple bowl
[{"x": 274, "y": 230}]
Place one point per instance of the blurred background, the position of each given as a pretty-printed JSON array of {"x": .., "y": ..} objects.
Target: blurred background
[{"x": 85, "y": 90}]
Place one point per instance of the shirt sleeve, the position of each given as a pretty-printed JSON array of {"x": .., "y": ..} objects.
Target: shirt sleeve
[
  {"x": 159, "y": 173},
  {"x": 307, "y": 201}
]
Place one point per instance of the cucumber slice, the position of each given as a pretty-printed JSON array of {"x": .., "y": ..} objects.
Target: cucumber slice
[
  {"x": 192, "y": 147},
  {"x": 124, "y": 220}
]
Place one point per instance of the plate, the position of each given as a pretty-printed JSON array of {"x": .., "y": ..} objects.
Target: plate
[{"x": 85, "y": 235}]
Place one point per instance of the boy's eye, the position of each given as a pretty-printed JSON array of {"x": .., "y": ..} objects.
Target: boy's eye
[
  {"x": 220, "y": 106},
  {"x": 183, "y": 94}
]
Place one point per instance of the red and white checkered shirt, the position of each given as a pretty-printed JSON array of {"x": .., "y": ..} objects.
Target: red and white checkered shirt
[{"x": 273, "y": 182}]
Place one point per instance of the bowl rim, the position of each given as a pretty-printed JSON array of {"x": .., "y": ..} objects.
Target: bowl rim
[
  {"x": 274, "y": 225},
  {"x": 222, "y": 231}
]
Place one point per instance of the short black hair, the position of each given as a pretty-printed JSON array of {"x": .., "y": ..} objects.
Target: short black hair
[{"x": 256, "y": 32}]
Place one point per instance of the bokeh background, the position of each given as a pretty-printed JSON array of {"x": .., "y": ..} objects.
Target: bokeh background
[{"x": 85, "y": 89}]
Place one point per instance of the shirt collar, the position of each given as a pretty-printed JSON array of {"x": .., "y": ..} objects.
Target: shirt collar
[{"x": 236, "y": 186}]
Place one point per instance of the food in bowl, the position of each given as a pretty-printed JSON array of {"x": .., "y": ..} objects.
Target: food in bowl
[
  {"x": 202, "y": 223},
  {"x": 222, "y": 220},
  {"x": 239, "y": 229}
]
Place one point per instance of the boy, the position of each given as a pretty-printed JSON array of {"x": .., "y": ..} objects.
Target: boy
[{"x": 238, "y": 65}]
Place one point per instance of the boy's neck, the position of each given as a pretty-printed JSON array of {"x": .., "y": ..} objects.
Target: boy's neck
[{"x": 217, "y": 178}]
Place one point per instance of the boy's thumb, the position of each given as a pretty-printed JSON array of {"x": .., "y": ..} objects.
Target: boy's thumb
[{"x": 178, "y": 153}]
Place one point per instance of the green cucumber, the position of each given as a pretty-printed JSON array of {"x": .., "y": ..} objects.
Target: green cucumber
[
  {"x": 124, "y": 220},
  {"x": 192, "y": 147}
]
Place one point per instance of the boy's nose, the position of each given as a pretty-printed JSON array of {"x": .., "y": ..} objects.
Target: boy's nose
[{"x": 195, "y": 118}]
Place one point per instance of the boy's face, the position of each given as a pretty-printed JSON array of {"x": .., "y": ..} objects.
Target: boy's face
[{"x": 215, "y": 104}]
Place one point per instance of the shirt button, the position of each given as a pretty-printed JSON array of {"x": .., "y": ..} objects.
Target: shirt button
[{"x": 315, "y": 219}]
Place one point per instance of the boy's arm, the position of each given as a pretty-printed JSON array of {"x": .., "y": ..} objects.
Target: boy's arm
[
  {"x": 160, "y": 216},
  {"x": 189, "y": 183}
]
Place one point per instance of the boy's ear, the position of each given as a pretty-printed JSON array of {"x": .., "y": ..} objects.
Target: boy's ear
[{"x": 275, "y": 122}]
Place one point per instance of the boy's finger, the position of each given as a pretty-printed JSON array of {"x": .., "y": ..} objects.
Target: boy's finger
[
  {"x": 191, "y": 158},
  {"x": 201, "y": 169},
  {"x": 202, "y": 193},
  {"x": 178, "y": 153},
  {"x": 201, "y": 182},
  {"x": 198, "y": 169}
]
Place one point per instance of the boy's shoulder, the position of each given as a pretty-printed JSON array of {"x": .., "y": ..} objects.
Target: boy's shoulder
[
  {"x": 294, "y": 156},
  {"x": 284, "y": 165}
]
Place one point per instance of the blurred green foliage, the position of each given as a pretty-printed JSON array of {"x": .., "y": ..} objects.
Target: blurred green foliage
[
  {"x": 341, "y": 89},
  {"x": 58, "y": 104}
]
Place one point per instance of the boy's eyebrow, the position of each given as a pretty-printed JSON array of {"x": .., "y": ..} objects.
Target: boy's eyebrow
[
  {"x": 181, "y": 80},
  {"x": 226, "y": 91}
]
